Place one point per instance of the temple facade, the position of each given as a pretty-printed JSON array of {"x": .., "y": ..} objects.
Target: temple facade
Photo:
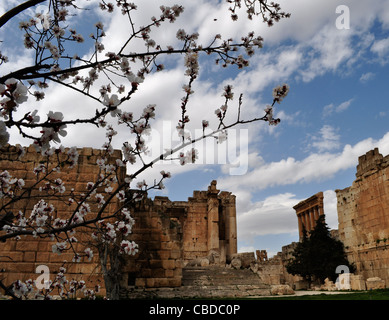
[{"x": 308, "y": 211}]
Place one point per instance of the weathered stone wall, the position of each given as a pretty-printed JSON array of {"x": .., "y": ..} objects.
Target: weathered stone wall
[
  {"x": 171, "y": 234},
  {"x": 19, "y": 259},
  {"x": 272, "y": 271},
  {"x": 227, "y": 225},
  {"x": 208, "y": 222},
  {"x": 158, "y": 234},
  {"x": 168, "y": 233},
  {"x": 363, "y": 214},
  {"x": 195, "y": 226}
]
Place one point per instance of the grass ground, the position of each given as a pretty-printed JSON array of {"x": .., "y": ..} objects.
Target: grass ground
[{"x": 357, "y": 295}]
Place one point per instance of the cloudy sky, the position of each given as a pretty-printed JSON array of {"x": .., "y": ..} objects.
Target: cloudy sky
[{"x": 336, "y": 66}]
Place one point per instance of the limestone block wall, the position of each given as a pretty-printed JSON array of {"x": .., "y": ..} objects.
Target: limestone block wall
[
  {"x": 19, "y": 259},
  {"x": 227, "y": 225},
  {"x": 210, "y": 224},
  {"x": 195, "y": 226},
  {"x": 272, "y": 271},
  {"x": 172, "y": 233},
  {"x": 363, "y": 214},
  {"x": 158, "y": 234}
]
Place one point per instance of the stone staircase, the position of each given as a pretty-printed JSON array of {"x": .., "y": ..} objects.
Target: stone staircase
[
  {"x": 210, "y": 282},
  {"x": 217, "y": 281},
  {"x": 218, "y": 276}
]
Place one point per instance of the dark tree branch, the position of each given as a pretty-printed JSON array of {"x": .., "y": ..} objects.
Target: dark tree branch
[{"x": 15, "y": 11}]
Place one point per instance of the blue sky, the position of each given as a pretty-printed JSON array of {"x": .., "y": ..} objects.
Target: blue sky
[{"x": 336, "y": 109}]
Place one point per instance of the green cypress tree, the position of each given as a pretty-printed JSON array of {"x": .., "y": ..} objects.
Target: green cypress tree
[
  {"x": 300, "y": 264},
  {"x": 318, "y": 255}
]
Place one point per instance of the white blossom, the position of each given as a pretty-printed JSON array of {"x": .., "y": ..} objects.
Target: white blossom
[
  {"x": 141, "y": 184},
  {"x": 280, "y": 92},
  {"x": 59, "y": 247},
  {"x": 189, "y": 157},
  {"x": 134, "y": 78},
  {"x": 45, "y": 20},
  {"x": 148, "y": 112},
  {"x": 192, "y": 64},
  {"x": 33, "y": 117},
  {"x": 100, "y": 199},
  {"x": 17, "y": 89},
  {"x": 165, "y": 174},
  {"x": 128, "y": 153},
  {"x": 121, "y": 195},
  {"x": 222, "y": 136},
  {"x": 89, "y": 253},
  {"x": 181, "y": 34},
  {"x": 129, "y": 247},
  {"x": 19, "y": 288},
  {"x": 100, "y": 162},
  {"x": 124, "y": 228}
]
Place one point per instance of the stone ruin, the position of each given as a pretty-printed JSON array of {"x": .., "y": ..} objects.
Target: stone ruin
[
  {"x": 363, "y": 228},
  {"x": 173, "y": 234},
  {"x": 186, "y": 246},
  {"x": 308, "y": 211},
  {"x": 170, "y": 234},
  {"x": 363, "y": 217}
]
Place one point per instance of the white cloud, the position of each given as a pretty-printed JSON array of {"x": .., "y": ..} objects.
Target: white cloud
[
  {"x": 321, "y": 49},
  {"x": 274, "y": 215},
  {"x": 344, "y": 106},
  {"x": 367, "y": 77},
  {"x": 7, "y": 5},
  {"x": 384, "y": 14},
  {"x": 328, "y": 50},
  {"x": 331, "y": 108},
  {"x": 330, "y": 209},
  {"x": 315, "y": 167},
  {"x": 327, "y": 140},
  {"x": 380, "y": 47}
]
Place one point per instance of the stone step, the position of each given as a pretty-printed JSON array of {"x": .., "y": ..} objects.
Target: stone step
[
  {"x": 218, "y": 276},
  {"x": 203, "y": 292},
  {"x": 207, "y": 283}
]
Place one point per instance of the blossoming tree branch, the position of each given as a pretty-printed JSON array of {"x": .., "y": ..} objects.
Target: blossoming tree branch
[{"x": 58, "y": 61}]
